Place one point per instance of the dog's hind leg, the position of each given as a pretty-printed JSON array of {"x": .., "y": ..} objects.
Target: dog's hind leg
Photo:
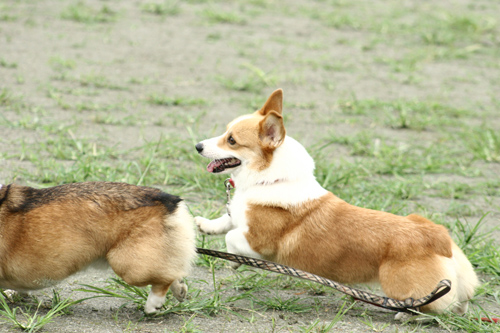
[
  {"x": 156, "y": 298},
  {"x": 417, "y": 278},
  {"x": 179, "y": 290}
]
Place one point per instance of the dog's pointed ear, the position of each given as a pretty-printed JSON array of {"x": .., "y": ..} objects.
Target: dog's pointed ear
[
  {"x": 271, "y": 130},
  {"x": 274, "y": 103}
]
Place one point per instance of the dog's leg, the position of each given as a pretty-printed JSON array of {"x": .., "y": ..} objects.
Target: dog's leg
[
  {"x": 237, "y": 243},
  {"x": 214, "y": 227},
  {"x": 417, "y": 277},
  {"x": 179, "y": 290},
  {"x": 156, "y": 298}
]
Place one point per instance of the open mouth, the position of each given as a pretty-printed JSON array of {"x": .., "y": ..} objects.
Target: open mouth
[{"x": 217, "y": 166}]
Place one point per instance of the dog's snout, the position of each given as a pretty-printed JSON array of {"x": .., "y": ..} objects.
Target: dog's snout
[{"x": 199, "y": 147}]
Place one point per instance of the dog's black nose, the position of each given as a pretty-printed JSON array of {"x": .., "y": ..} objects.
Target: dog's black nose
[{"x": 199, "y": 147}]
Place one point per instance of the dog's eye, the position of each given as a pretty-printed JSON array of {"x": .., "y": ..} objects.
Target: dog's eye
[{"x": 231, "y": 141}]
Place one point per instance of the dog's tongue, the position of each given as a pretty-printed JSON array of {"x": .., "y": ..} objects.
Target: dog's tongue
[{"x": 214, "y": 164}]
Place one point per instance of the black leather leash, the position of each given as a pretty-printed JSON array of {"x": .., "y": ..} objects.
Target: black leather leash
[{"x": 409, "y": 305}]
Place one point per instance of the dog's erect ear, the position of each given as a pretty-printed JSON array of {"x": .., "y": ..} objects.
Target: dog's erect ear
[
  {"x": 271, "y": 130},
  {"x": 274, "y": 103}
]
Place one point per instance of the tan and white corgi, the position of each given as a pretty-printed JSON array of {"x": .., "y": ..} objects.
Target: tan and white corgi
[
  {"x": 279, "y": 212},
  {"x": 145, "y": 235}
]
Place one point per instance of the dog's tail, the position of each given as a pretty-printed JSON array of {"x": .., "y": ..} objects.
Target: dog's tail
[{"x": 466, "y": 280}]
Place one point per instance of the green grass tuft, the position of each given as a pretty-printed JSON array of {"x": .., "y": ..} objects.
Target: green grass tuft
[{"x": 82, "y": 13}]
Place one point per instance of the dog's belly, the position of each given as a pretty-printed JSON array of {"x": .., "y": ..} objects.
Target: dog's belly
[{"x": 45, "y": 278}]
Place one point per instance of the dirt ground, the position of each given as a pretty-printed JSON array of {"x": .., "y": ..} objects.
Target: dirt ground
[{"x": 97, "y": 66}]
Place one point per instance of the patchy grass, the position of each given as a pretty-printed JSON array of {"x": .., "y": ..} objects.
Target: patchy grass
[
  {"x": 161, "y": 99},
  {"x": 218, "y": 15},
  {"x": 398, "y": 104},
  {"x": 165, "y": 8},
  {"x": 83, "y": 13},
  {"x": 25, "y": 319}
]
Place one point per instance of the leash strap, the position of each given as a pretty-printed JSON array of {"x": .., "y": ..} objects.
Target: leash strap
[
  {"x": 229, "y": 185},
  {"x": 409, "y": 305}
]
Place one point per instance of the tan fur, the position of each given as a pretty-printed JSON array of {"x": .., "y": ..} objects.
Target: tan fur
[
  {"x": 408, "y": 255},
  {"x": 48, "y": 234},
  {"x": 349, "y": 244},
  {"x": 265, "y": 128},
  {"x": 340, "y": 241},
  {"x": 245, "y": 132}
]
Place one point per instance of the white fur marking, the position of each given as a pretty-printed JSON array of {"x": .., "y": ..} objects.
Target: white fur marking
[
  {"x": 153, "y": 303},
  {"x": 237, "y": 243},
  {"x": 218, "y": 226}
]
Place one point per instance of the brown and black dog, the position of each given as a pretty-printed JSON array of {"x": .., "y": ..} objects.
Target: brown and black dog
[{"x": 144, "y": 234}]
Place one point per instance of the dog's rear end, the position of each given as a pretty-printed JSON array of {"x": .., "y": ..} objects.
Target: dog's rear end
[
  {"x": 416, "y": 272},
  {"x": 145, "y": 235},
  {"x": 407, "y": 255}
]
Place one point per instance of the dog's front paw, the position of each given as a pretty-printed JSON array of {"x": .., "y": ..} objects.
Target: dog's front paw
[{"x": 203, "y": 225}]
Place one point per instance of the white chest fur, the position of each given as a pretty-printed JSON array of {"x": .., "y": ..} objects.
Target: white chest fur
[
  {"x": 238, "y": 209},
  {"x": 288, "y": 181}
]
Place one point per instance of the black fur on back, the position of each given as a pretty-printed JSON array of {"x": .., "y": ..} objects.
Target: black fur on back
[{"x": 108, "y": 195}]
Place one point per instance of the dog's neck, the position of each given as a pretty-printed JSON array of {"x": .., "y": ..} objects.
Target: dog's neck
[
  {"x": 265, "y": 182},
  {"x": 290, "y": 162}
]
